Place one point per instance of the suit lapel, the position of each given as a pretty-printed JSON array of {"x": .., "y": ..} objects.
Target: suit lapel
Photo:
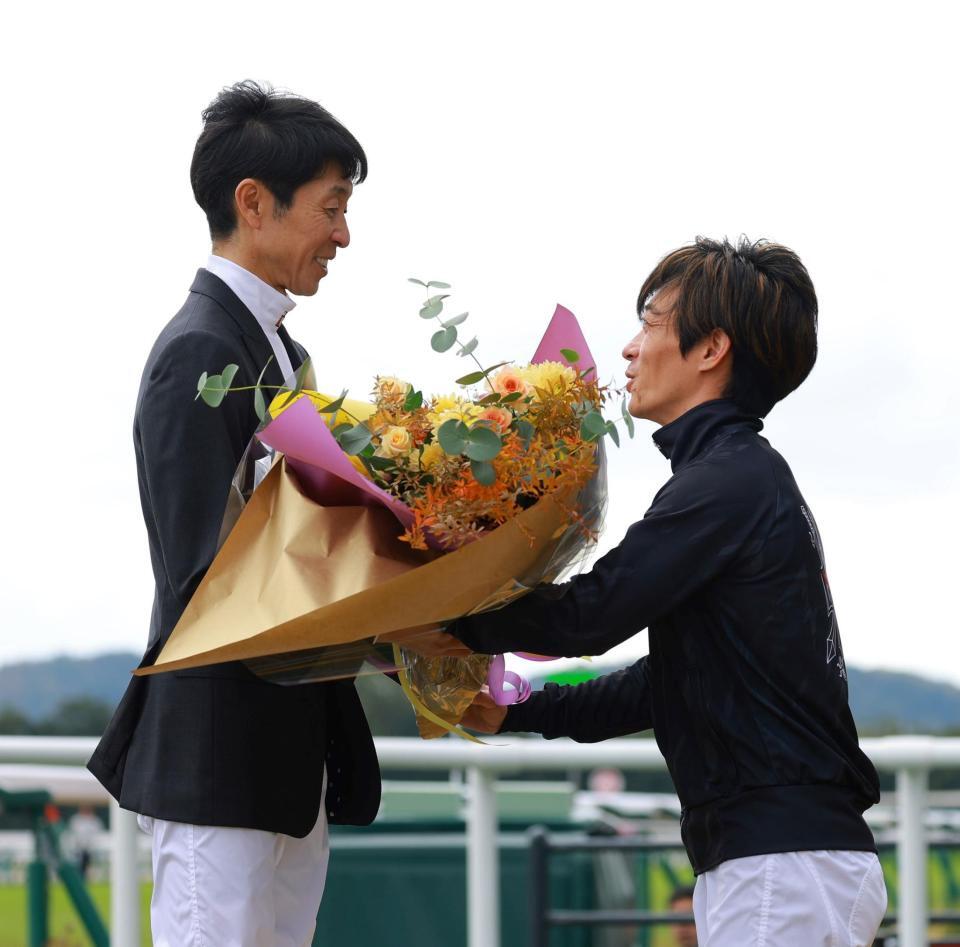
[{"x": 255, "y": 342}]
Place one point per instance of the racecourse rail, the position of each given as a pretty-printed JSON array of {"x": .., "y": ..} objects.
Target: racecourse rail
[{"x": 910, "y": 757}]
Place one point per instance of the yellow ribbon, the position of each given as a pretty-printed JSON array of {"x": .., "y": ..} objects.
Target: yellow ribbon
[{"x": 418, "y": 704}]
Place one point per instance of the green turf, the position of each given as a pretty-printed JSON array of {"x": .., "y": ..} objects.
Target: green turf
[{"x": 65, "y": 929}]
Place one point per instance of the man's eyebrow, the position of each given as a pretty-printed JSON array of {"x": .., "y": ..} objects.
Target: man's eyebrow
[{"x": 341, "y": 189}]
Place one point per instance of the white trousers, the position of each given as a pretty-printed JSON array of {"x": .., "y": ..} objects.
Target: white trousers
[
  {"x": 794, "y": 899},
  {"x": 224, "y": 887}
]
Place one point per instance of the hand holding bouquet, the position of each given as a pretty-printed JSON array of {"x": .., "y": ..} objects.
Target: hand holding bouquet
[{"x": 398, "y": 514}]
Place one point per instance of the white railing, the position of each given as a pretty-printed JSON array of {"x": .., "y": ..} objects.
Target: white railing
[{"x": 910, "y": 757}]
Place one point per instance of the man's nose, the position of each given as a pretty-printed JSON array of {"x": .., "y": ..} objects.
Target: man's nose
[
  {"x": 630, "y": 349},
  {"x": 341, "y": 236}
]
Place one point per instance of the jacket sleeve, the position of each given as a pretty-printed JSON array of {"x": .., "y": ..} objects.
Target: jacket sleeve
[
  {"x": 610, "y": 706},
  {"x": 694, "y": 529},
  {"x": 190, "y": 452}
]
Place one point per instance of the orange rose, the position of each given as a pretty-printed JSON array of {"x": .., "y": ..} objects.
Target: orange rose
[
  {"x": 508, "y": 381},
  {"x": 499, "y": 419}
]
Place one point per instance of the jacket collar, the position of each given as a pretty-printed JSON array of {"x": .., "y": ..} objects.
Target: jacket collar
[
  {"x": 683, "y": 439},
  {"x": 206, "y": 284}
]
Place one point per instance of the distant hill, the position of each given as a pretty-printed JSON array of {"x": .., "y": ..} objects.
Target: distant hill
[
  {"x": 894, "y": 702},
  {"x": 36, "y": 688},
  {"x": 882, "y": 701}
]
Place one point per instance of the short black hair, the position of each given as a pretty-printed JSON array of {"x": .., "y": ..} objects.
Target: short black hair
[
  {"x": 761, "y": 295},
  {"x": 252, "y": 131}
]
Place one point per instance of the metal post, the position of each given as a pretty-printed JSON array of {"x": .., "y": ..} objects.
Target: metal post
[
  {"x": 912, "y": 857},
  {"x": 124, "y": 883},
  {"x": 37, "y": 904},
  {"x": 483, "y": 868},
  {"x": 539, "y": 886}
]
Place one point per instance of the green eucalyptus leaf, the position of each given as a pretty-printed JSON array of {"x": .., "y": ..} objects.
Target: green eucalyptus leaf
[
  {"x": 201, "y": 384},
  {"x": 341, "y": 429},
  {"x": 259, "y": 405},
  {"x": 436, "y": 284},
  {"x": 613, "y": 432},
  {"x": 471, "y": 379},
  {"x": 452, "y": 436},
  {"x": 356, "y": 439},
  {"x": 593, "y": 426},
  {"x": 263, "y": 371},
  {"x": 526, "y": 431},
  {"x": 484, "y": 443},
  {"x": 571, "y": 355},
  {"x": 413, "y": 400},
  {"x": 368, "y": 452},
  {"x": 432, "y": 307},
  {"x": 456, "y": 320},
  {"x": 228, "y": 374},
  {"x": 335, "y": 405},
  {"x": 483, "y": 472},
  {"x": 443, "y": 340},
  {"x": 513, "y": 396},
  {"x": 419, "y": 282},
  {"x": 213, "y": 391},
  {"x": 468, "y": 348},
  {"x": 302, "y": 376},
  {"x": 492, "y": 398},
  {"x": 628, "y": 420},
  {"x": 474, "y": 377},
  {"x": 381, "y": 463}
]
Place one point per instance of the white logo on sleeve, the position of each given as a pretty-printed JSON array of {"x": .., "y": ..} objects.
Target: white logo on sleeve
[{"x": 834, "y": 648}]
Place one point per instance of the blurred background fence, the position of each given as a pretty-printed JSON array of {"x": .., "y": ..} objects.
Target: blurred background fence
[{"x": 475, "y": 845}]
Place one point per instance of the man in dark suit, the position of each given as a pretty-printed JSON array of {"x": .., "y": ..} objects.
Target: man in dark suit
[{"x": 236, "y": 777}]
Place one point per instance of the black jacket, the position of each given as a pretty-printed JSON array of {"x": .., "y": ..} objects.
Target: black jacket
[
  {"x": 745, "y": 685},
  {"x": 217, "y": 745}
]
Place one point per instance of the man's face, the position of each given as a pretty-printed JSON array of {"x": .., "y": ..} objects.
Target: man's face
[
  {"x": 296, "y": 246},
  {"x": 684, "y": 934},
  {"x": 661, "y": 381}
]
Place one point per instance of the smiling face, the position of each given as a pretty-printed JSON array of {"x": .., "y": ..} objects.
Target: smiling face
[
  {"x": 663, "y": 383},
  {"x": 291, "y": 248}
]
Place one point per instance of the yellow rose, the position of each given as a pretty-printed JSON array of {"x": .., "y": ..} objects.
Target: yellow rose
[
  {"x": 509, "y": 380},
  {"x": 395, "y": 442},
  {"x": 388, "y": 388},
  {"x": 499, "y": 419}
]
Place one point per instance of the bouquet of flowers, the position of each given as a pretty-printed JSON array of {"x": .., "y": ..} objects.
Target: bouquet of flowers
[{"x": 348, "y": 520}]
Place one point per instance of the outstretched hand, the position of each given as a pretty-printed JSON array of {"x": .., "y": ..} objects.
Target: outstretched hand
[{"x": 484, "y": 715}]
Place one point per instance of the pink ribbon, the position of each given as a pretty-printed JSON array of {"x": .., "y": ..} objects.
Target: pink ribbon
[{"x": 499, "y": 678}]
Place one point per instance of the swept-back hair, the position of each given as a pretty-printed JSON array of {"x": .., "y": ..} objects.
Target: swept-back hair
[
  {"x": 283, "y": 140},
  {"x": 761, "y": 295}
]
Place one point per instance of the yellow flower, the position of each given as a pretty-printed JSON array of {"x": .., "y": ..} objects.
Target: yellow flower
[
  {"x": 449, "y": 407},
  {"x": 432, "y": 455},
  {"x": 509, "y": 380},
  {"x": 395, "y": 442},
  {"x": 550, "y": 376},
  {"x": 390, "y": 389}
]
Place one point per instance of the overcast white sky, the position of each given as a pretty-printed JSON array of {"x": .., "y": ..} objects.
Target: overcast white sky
[{"x": 529, "y": 154}]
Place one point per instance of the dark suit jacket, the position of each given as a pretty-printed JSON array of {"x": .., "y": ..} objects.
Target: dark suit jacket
[{"x": 218, "y": 745}]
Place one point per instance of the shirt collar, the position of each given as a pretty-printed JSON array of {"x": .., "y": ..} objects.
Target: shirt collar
[
  {"x": 267, "y": 305},
  {"x": 684, "y": 438}
]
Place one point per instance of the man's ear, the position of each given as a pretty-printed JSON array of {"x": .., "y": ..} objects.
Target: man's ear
[
  {"x": 249, "y": 197},
  {"x": 715, "y": 351}
]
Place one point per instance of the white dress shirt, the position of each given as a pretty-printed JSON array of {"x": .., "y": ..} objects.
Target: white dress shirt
[{"x": 267, "y": 305}]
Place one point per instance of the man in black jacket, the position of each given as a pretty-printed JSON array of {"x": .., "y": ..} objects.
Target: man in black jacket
[
  {"x": 236, "y": 778},
  {"x": 745, "y": 685}
]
